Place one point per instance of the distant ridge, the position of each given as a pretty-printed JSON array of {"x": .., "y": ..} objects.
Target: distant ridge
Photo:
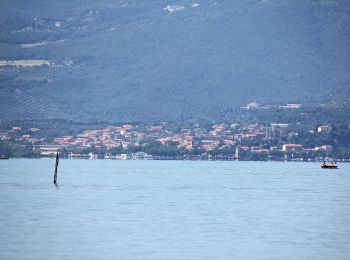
[{"x": 138, "y": 60}]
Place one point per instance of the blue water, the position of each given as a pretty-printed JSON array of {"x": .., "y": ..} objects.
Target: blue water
[{"x": 173, "y": 210}]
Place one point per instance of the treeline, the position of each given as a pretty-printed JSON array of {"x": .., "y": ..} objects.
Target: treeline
[
  {"x": 51, "y": 128},
  {"x": 16, "y": 150},
  {"x": 151, "y": 147},
  {"x": 302, "y": 120},
  {"x": 305, "y": 118},
  {"x": 339, "y": 137},
  {"x": 170, "y": 150}
]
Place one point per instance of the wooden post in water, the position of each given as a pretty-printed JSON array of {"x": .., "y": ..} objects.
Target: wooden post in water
[{"x": 56, "y": 166}]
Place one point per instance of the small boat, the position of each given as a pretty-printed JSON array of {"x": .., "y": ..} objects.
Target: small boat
[
  {"x": 325, "y": 166},
  {"x": 4, "y": 158}
]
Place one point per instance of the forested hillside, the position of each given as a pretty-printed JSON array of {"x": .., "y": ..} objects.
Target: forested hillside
[{"x": 138, "y": 60}]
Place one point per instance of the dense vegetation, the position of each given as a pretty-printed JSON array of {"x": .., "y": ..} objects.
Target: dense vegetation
[
  {"x": 303, "y": 121},
  {"x": 308, "y": 117},
  {"x": 130, "y": 60}
]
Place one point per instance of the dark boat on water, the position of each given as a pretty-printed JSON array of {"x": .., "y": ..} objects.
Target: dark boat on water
[
  {"x": 331, "y": 166},
  {"x": 4, "y": 158}
]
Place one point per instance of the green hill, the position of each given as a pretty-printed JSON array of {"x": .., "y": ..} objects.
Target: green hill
[{"x": 138, "y": 60}]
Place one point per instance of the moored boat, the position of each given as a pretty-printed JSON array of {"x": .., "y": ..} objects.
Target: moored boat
[
  {"x": 329, "y": 166},
  {"x": 333, "y": 165}
]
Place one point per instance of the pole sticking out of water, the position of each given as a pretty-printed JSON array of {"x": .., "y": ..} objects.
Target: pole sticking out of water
[{"x": 56, "y": 166}]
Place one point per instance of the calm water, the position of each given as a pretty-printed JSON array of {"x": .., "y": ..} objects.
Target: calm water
[{"x": 173, "y": 210}]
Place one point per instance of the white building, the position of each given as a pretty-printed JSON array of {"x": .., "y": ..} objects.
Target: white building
[{"x": 324, "y": 129}]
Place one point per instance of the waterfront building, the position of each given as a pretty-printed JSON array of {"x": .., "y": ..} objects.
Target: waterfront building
[
  {"x": 48, "y": 150},
  {"x": 291, "y": 147}
]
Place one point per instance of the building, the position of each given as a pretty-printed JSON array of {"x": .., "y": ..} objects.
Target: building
[
  {"x": 273, "y": 148},
  {"x": 278, "y": 130},
  {"x": 93, "y": 156},
  {"x": 290, "y": 106},
  {"x": 124, "y": 156},
  {"x": 110, "y": 156},
  {"x": 249, "y": 136},
  {"x": 34, "y": 129},
  {"x": 251, "y": 106},
  {"x": 16, "y": 129},
  {"x": 48, "y": 150},
  {"x": 278, "y": 126},
  {"x": 210, "y": 144},
  {"x": 258, "y": 149},
  {"x": 239, "y": 150},
  {"x": 324, "y": 129},
  {"x": 326, "y": 148},
  {"x": 292, "y": 147},
  {"x": 234, "y": 126},
  {"x": 141, "y": 156},
  {"x": 188, "y": 144},
  {"x": 77, "y": 156}
]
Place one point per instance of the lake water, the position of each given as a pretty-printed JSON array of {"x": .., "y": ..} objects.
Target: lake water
[{"x": 173, "y": 210}]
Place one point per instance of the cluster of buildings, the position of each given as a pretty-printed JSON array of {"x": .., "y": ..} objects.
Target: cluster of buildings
[
  {"x": 19, "y": 134},
  {"x": 220, "y": 136},
  {"x": 233, "y": 141},
  {"x": 256, "y": 106}
]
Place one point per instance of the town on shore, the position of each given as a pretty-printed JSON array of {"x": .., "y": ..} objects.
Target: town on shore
[{"x": 165, "y": 141}]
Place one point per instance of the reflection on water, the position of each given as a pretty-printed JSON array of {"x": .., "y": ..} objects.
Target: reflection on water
[{"x": 173, "y": 210}]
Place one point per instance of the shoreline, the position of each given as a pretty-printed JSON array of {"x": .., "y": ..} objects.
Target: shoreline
[{"x": 194, "y": 160}]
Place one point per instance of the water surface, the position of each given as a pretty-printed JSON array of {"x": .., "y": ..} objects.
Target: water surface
[{"x": 173, "y": 210}]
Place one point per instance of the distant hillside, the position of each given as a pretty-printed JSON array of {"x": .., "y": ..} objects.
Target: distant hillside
[{"x": 139, "y": 60}]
